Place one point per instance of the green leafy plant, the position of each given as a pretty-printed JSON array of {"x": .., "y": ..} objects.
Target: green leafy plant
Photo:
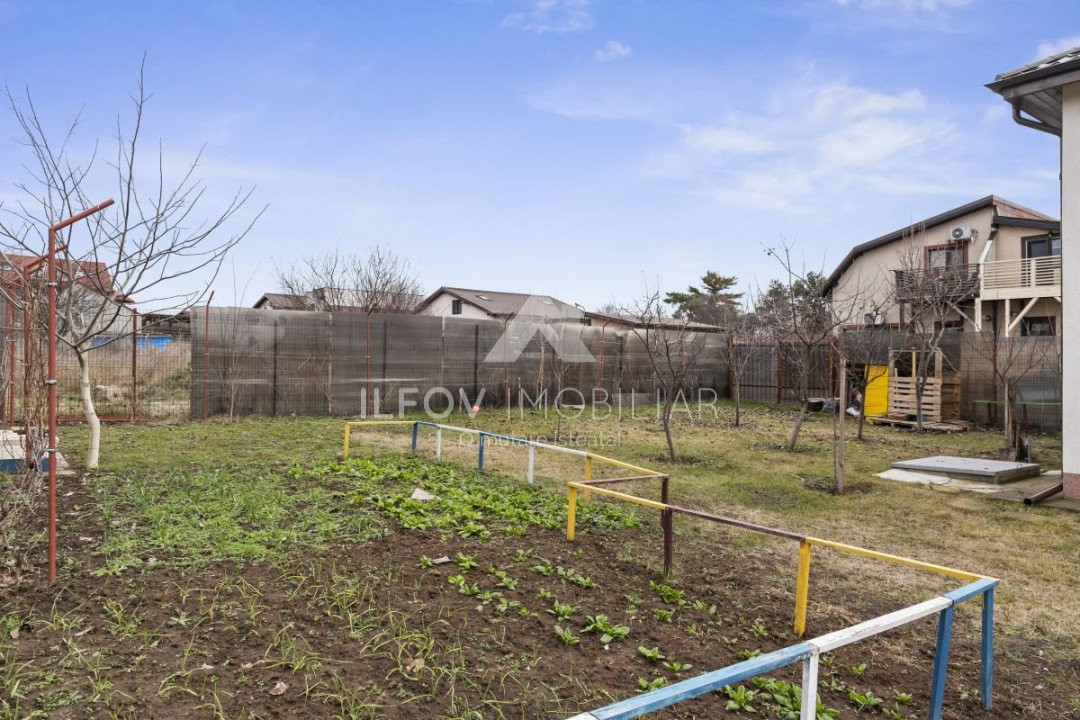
[
  {"x": 903, "y": 698},
  {"x": 545, "y": 595},
  {"x": 465, "y": 562},
  {"x": 676, "y": 667},
  {"x": 759, "y": 629},
  {"x": 426, "y": 562},
  {"x": 608, "y": 632},
  {"x": 739, "y": 699},
  {"x": 747, "y": 654},
  {"x": 505, "y": 581},
  {"x": 644, "y": 685},
  {"x": 857, "y": 670},
  {"x": 667, "y": 593},
  {"x": 864, "y": 701},
  {"x": 561, "y": 611},
  {"x": 544, "y": 567},
  {"x": 651, "y": 654},
  {"x": 664, "y": 615},
  {"x": 566, "y": 636}
]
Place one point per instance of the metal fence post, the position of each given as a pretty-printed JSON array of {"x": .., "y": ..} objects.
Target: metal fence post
[
  {"x": 415, "y": 429},
  {"x": 480, "y": 453},
  {"x": 986, "y": 675}
]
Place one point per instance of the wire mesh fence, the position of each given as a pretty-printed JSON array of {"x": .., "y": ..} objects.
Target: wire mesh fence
[{"x": 246, "y": 361}]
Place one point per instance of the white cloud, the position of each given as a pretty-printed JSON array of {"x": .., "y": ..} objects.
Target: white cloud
[
  {"x": 1053, "y": 47},
  {"x": 558, "y": 16},
  {"x": 612, "y": 50},
  {"x": 907, "y": 6},
  {"x": 810, "y": 146}
]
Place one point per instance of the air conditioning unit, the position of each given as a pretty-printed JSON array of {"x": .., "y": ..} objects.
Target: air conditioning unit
[{"x": 959, "y": 234}]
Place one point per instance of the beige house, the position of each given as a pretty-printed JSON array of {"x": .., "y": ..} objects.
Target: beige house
[
  {"x": 1045, "y": 95},
  {"x": 1005, "y": 258}
]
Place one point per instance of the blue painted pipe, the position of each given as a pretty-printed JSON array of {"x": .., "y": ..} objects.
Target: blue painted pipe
[
  {"x": 986, "y": 677},
  {"x": 480, "y": 454},
  {"x": 415, "y": 428},
  {"x": 941, "y": 661}
]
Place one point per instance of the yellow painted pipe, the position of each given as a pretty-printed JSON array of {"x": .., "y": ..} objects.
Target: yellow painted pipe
[
  {"x": 620, "y": 463},
  {"x": 897, "y": 560},
  {"x": 622, "y": 496},
  {"x": 345, "y": 442},
  {"x": 802, "y": 588},
  {"x": 571, "y": 511}
]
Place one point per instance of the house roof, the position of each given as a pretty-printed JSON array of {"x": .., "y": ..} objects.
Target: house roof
[
  {"x": 1006, "y": 212},
  {"x": 94, "y": 275},
  {"x": 507, "y": 304},
  {"x": 283, "y": 301},
  {"x": 665, "y": 323},
  {"x": 1035, "y": 89}
]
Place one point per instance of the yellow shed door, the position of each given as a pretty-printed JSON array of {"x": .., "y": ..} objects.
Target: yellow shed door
[{"x": 877, "y": 390}]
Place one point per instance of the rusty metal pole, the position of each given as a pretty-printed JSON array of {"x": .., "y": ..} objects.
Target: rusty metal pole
[
  {"x": 134, "y": 360},
  {"x": 51, "y": 286},
  {"x": 206, "y": 360}
]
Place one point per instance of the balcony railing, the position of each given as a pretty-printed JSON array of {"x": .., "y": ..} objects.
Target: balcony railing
[
  {"x": 1028, "y": 277},
  {"x": 960, "y": 282}
]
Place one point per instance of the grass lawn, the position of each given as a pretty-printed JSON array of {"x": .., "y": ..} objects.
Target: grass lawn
[{"x": 240, "y": 571}]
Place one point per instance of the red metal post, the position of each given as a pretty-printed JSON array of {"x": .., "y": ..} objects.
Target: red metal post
[{"x": 50, "y": 381}]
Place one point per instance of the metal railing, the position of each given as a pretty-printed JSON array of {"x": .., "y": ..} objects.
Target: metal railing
[
  {"x": 1023, "y": 274},
  {"x": 958, "y": 281},
  {"x": 808, "y": 652}
]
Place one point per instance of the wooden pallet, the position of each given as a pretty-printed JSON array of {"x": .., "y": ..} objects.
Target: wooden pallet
[{"x": 949, "y": 426}]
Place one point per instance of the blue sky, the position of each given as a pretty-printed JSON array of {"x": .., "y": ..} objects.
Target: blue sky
[{"x": 569, "y": 147}]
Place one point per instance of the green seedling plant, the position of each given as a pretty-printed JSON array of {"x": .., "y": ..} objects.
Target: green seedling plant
[
  {"x": 675, "y": 666},
  {"x": 664, "y": 615},
  {"x": 702, "y": 606},
  {"x": 857, "y": 670},
  {"x": 864, "y": 701},
  {"x": 465, "y": 562},
  {"x": 644, "y": 686},
  {"x": 426, "y": 562},
  {"x": 545, "y": 595},
  {"x": 739, "y": 699},
  {"x": 505, "y": 581},
  {"x": 608, "y": 632},
  {"x": 667, "y": 593},
  {"x": 903, "y": 698},
  {"x": 561, "y": 611},
  {"x": 544, "y": 568},
  {"x": 652, "y": 654},
  {"x": 567, "y": 636},
  {"x": 759, "y": 629},
  {"x": 747, "y": 654}
]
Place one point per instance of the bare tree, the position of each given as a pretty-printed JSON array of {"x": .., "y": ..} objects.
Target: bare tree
[
  {"x": 1008, "y": 361},
  {"x": 931, "y": 299},
  {"x": 866, "y": 352},
  {"x": 671, "y": 348},
  {"x": 380, "y": 281},
  {"x": 802, "y": 321},
  {"x": 156, "y": 237},
  {"x": 745, "y": 335}
]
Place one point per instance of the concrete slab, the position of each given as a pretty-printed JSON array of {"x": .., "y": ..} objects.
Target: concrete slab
[{"x": 995, "y": 471}]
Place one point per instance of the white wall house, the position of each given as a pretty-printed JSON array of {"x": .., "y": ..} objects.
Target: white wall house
[{"x": 1045, "y": 95}]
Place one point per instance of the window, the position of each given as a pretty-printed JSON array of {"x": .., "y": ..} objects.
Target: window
[
  {"x": 1038, "y": 327},
  {"x": 1042, "y": 246},
  {"x": 455, "y": 307},
  {"x": 944, "y": 257}
]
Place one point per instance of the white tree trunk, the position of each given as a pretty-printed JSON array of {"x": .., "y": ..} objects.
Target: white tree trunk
[{"x": 92, "y": 420}]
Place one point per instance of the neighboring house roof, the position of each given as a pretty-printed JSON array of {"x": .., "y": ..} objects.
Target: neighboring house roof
[
  {"x": 1035, "y": 88},
  {"x": 507, "y": 304},
  {"x": 1006, "y": 212},
  {"x": 666, "y": 323},
  {"x": 93, "y": 275},
  {"x": 283, "y": 301}
]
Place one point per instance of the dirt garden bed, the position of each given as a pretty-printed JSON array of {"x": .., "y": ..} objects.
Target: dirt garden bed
[{"x": 319, "y": 591}]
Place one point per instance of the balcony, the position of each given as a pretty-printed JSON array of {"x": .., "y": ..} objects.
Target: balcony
[
  {"x": 958, "y": 282},
  {"x": 1025, "y": 278}
]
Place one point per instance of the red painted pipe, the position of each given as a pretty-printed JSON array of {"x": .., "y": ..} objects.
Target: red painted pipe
[{"x": 51, "y": 380}]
